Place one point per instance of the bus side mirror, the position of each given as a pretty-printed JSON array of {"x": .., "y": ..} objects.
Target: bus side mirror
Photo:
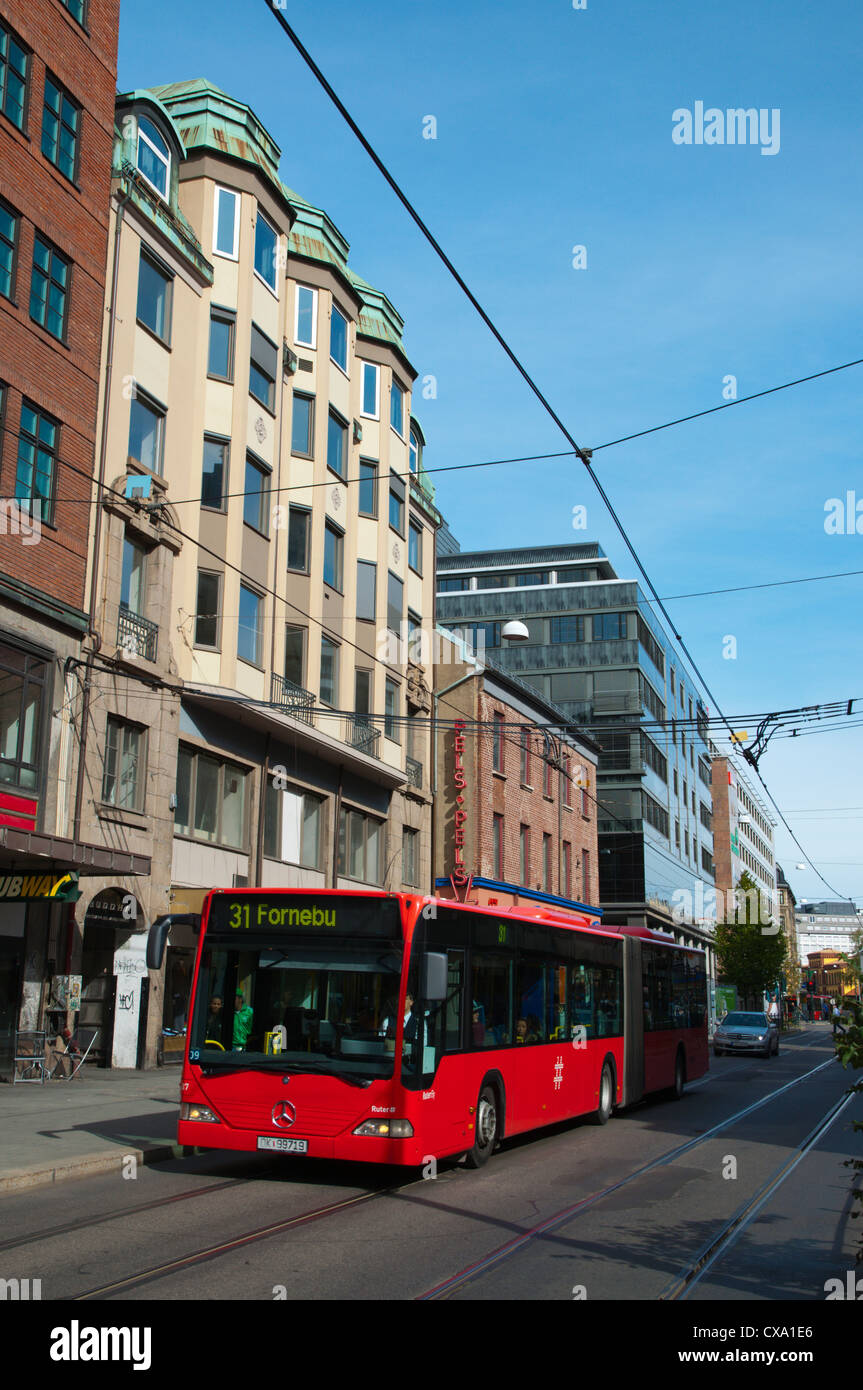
[
  {"x": 433, "y": 977},
  {"x": 158, "y": 935}
]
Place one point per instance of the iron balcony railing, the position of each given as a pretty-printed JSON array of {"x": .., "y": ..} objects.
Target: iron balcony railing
[
  {"x": 362, "y": 735},
  {"x": 293, "y": 700},
  {"x": 414, "y": 772},
  {"x": 137, "y": 636}
]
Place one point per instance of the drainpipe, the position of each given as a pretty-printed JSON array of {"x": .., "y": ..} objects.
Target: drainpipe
[
  {"x": 337, "y": 813},
  {"x": 262, "y": 804}
]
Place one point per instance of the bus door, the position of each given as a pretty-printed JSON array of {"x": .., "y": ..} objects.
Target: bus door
[{"x": 633, "y": 995}]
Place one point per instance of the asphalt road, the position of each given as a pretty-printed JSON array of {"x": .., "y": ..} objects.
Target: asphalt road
[{"x": 639, "y": 1209}]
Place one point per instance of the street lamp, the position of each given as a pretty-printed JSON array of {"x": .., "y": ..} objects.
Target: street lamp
[{"x": 514, "y": 631}]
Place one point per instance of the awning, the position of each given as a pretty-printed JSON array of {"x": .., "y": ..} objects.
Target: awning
[{"x": 30, "y": 851}]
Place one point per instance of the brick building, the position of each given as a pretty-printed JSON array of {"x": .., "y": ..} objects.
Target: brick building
[
  {"x": 57, "y": 85},
  {"x": 515, "y": 793}
]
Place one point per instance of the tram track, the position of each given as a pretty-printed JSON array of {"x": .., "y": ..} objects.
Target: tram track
[
  {"x": 495, "y": 1258},
  {"x": 225, "y": 1247}
]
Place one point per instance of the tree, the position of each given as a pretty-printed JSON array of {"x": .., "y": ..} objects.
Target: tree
[{"x": 752, "y": 947}]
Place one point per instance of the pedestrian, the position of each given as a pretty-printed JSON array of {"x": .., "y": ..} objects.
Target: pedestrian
[{"x": 838, "y": 1026}]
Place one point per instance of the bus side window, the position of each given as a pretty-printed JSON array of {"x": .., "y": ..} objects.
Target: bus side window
[{"x": 581, "y": 1001}]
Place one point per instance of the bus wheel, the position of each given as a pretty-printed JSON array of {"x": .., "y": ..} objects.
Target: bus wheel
[
  {"x": 486, "y": 1129},
  {"x": 679, "y": 1077},
  {"x": 602, "y": 1113}
]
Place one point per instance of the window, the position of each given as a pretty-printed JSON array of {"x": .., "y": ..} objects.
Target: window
[
  {"x": 481, "y": 635},
  {"x": 416, "y": 640},
  {"x": 61, "y": 123},
  {"x": 370, "y": 389},
  {"x": 207, "y": 607},
  {"x": 220, "y": 358},
  {"x": 585, "y": 803},
  {"x": 452, "y": 586},
  {"x": 155, "y": 286},
  {"x": 585, "y": 875},
  {"x": 303, "y": 425},
  {"x": 548, "y": 774},
  {"x": 546, "y": 863},
  {"x": 256, "y": 500},
  {"x": 361, "y": 842},
  {"x": 333, "y": 555},
  {"x": 8, "y": 249},
  {"x": 415, "y": 547},
  {"x": 22, "y": 686},
  {"x": 368, "y": 495},
  {"x": 37, "y": 458},
  {"x": 410, "y": 857},
  {"x": 329, "y": 671},
  {"x": 397, "y": 409},
  {"x": 211, "y": 799},
  {"x": 75, "y": 8},
  {"x": 567, "y": 781},
  {"x": 567, "y": 629},
  {"x": 49, "y": 288},
  {"x": 263, "y": 366},
  {"x": 413, "y": 452},
  {"x": 524, "y": 852},
  {"x": 133, "y": 578},
  {"x": 249, "y": 626},
  {"x": 497, "y": 845},
  {"x": 608, "y": 626},
  {"x": 154, "y": 157},
  {"x": 525, "y": 757},
  {"x": 339, "y": 339},
  {"x": 362, "y": 692},
  {"x": 214, "y": 479},
  {"x": 306, "y": 321},
  {"x": 295, "y": 651},
  {"x": 299, "y": 521},
  {"x": 337, "y": 444},
  {"x": 567, "y": 869},
  {"x": 226, "y": 223},
  {"x": 366, "y": 590},
  {"x": 266, "y": 251},
  {"x": 14, "y": 61},
  {"x": 395, "y": 602},
  {"x": 146, "y": 432},
  {"x": 391, "y": 710},
  {"x": 124, "y": 776},
  {"x": 491, "y": 993},
  {"x": 497, "y": 747},
  {"x": 397, "y": 504},
  {"x": 292, "y": 825}
]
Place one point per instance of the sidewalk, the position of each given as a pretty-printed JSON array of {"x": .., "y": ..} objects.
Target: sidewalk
[{"x": 70, "y": 1129}]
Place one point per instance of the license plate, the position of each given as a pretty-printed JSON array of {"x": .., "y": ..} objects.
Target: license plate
[{"x": 284, "y": 1146}]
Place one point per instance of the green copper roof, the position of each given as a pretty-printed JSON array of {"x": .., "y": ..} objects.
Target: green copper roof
[{"x": 206, "y": 118}]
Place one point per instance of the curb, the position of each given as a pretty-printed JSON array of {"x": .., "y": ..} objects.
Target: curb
[{"x": 66, "y": 1169}]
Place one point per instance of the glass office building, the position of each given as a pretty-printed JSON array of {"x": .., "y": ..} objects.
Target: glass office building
[{"x": 595, "y": 648}]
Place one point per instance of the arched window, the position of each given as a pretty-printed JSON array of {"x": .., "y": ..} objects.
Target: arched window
[{"x": 154, "y": 157}]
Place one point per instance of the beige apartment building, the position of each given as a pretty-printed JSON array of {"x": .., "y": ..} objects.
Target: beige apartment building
[{"x": 265, "y": 558}]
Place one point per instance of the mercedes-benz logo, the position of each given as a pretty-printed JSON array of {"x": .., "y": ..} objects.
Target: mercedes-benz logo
[{"x": 284, "y": 1114}]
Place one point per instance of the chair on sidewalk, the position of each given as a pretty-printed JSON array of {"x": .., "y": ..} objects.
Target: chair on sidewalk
[
  {"x": 30, "y": 1056},
  {"x": 72, "y": 1052}
]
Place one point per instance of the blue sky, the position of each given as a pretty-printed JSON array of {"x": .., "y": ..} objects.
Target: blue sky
[{"x": 703, "y": 261}]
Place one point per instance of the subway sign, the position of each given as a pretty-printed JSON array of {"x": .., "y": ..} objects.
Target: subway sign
[
  {"x": 236, "y": 915},
  {"x": 20, "y": 888}
]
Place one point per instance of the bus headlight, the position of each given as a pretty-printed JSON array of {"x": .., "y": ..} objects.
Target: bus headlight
[
  {"x": 386, "y": 1129},
  {"x": 191, "y": 1111}
]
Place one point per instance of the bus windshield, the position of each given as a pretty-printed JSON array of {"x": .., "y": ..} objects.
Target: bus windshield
[{"x": 298, "y": 1004}]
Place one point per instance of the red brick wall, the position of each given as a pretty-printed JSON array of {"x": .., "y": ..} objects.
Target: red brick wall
[
  {"x": 62, "y": 379},
  {"x": 487, "y": 793}
]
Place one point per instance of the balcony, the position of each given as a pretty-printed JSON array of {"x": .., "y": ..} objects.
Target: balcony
[
  {"x": 362, "y": 735},
  {"x": 137, "y": 636},
  {"x": 293, "y": 700},
  {"x": 414, "y": 772}
]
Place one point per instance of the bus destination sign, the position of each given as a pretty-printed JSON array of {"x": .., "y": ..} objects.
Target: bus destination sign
[{"x": 235, "y": 914}]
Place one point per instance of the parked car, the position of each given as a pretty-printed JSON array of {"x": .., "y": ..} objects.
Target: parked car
[{"x": 746, "y": 1032}]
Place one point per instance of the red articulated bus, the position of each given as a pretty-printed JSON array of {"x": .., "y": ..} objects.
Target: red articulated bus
[{"x": 395, "y": 1028}]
